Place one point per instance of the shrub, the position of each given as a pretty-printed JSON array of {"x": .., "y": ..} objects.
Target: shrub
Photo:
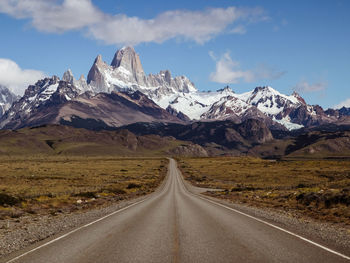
[
  {"x": 6, "y": 199},
  {"x": 87, "y": 194},
  {"x": 133, "y": 185}
]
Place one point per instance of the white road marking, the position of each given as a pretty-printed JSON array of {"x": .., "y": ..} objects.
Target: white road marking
[
  {"x": 279, "y": 228},
  {"x": 208, "y": 200},
  {"x": 75, "y": 230},
  {"x": 89, "y": 224},
  {"x": 264, "y": 222}
]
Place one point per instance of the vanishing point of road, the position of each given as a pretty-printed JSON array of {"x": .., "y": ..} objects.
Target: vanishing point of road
[{"x": 175, "y": 225}]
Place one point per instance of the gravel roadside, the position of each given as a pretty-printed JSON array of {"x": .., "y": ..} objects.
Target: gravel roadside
[
  {"x": 334, "y": 236},
  {"x": 16, "y": 234},
  {"x": 19, "y": 233}
]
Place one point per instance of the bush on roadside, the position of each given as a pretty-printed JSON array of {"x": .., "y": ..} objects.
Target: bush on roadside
[
  {"x": 9, "y": 200},
  {"x": 133, "y": 185}
]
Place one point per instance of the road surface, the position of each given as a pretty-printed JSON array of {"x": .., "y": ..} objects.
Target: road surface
[{"x": 174, "y": 225}]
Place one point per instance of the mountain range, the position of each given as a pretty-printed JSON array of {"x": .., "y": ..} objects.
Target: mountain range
[{"x": 120, "y": 93}]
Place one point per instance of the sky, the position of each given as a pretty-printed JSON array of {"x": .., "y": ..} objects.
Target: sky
[{"x": 297, "y": 45}]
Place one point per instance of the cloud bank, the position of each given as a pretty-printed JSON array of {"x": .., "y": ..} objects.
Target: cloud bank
[
  {"x": 307, "y": 87},
  {"x": 197, "y": 26},
  {"x": 15, "y": 78},
  {"x": 228, "y": 71},
  {"x": 49, "y": 16}
]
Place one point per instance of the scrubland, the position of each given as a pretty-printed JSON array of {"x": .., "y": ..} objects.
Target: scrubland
[
  {"x": 57, "y": 184},
  {"x": 319, "y": 189}
]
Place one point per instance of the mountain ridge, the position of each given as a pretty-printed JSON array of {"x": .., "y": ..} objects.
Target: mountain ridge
[
  {"x": 52, "y": 100},
  {"x": 175, "y": 98}
]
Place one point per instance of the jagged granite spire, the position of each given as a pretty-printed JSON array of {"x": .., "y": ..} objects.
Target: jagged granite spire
[
  {"x": 96, "y": 75},
  {"x": 68, "y": 76},
  {"x": 129, "y": 60}
]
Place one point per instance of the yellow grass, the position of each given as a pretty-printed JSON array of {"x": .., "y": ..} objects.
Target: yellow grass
[
  {"x": 42, "y": 184},
  {"x": 317, "y": 188}
]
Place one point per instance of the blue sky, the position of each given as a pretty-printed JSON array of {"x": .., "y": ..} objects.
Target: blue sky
[{"x": 289, "y": 45}]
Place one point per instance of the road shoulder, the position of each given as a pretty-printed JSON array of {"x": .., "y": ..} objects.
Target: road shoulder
[
  {"x": 31, "y": 231},
  {"x": 330, "y": 235}
]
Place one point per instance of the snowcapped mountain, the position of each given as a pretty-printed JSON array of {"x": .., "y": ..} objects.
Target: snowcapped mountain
[
  {"x": 177, "y": 94},
  {"x": 180, "y": 97},
  {"x": 270, "y": 101},
  {"x": 54, "y": 101},
  {"x": 175, "y": 98},
  {"x": 80, "y": 85},
  {"x": 291, "y": 111},
  {"x": 126, "y": 74},
  {"x": 36, "y": 97},
  {"x": 274, "y": 104},
  {"x": 229, "y": 107},
  {"x": 6, "y": 99},
  {"x": 268, "y": 104}
]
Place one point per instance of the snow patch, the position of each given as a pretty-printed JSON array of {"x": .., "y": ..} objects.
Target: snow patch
[
  {"x": 123, "y": 70},
  {"x": 288, "y": 124}
]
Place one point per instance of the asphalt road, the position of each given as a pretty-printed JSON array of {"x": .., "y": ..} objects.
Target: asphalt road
[{"x": 174, "y": 225}]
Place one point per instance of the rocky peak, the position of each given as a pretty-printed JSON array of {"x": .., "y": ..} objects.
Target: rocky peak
[
  {"x": 124, "y": 73},
  {"x": 80, "y": 85},
  {"x": 266, "y": 91},
  {"x": 226, "y": 89},
  {"x": 98, "y": 60},
  {"x": 228, "y": 107},
  {"x": 68, "y": 76},
  {"x": 167, "y": 75},
  {"x": 82, "y": 78},
  {"x": 262, "y": 88},
  {"x": 261, "y": 95},
  {"x": 96, "y": 74},
  {"x": 344, "y": 111},
  {"x": 117, "y": 59},
  {"x": 96, "y": 67},
  {"x": 129, "y": 60},
  {"x": 41, "y": 84},
  {"x": 299, "y": 98}
]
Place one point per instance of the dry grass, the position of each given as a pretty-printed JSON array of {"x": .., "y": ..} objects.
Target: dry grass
[
  {"x": 63, "y": 184},
  {"x": 316, "y": 188}
]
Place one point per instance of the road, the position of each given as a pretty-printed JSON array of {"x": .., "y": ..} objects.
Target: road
[{"x": 174, "y": 225}]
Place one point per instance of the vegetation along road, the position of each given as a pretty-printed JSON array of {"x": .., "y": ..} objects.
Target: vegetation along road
[{"x": 176, "y": 225}]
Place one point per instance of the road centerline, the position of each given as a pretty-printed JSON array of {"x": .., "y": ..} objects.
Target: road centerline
[
  {"x": 177, "y": 225},
  {"x": 258, "y": 219}
]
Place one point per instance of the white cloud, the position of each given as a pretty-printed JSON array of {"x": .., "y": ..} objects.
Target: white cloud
[
  {"x": 304, "y": 86},
  {"x": 345, "y": 103},
  {"x": 198, "y": 26},
  {"x": 228, "y": 71},
  {"x": 15, "y": 78},
  {"x": 239, "y": 30},
  {"x": 48, "y": 16}
]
